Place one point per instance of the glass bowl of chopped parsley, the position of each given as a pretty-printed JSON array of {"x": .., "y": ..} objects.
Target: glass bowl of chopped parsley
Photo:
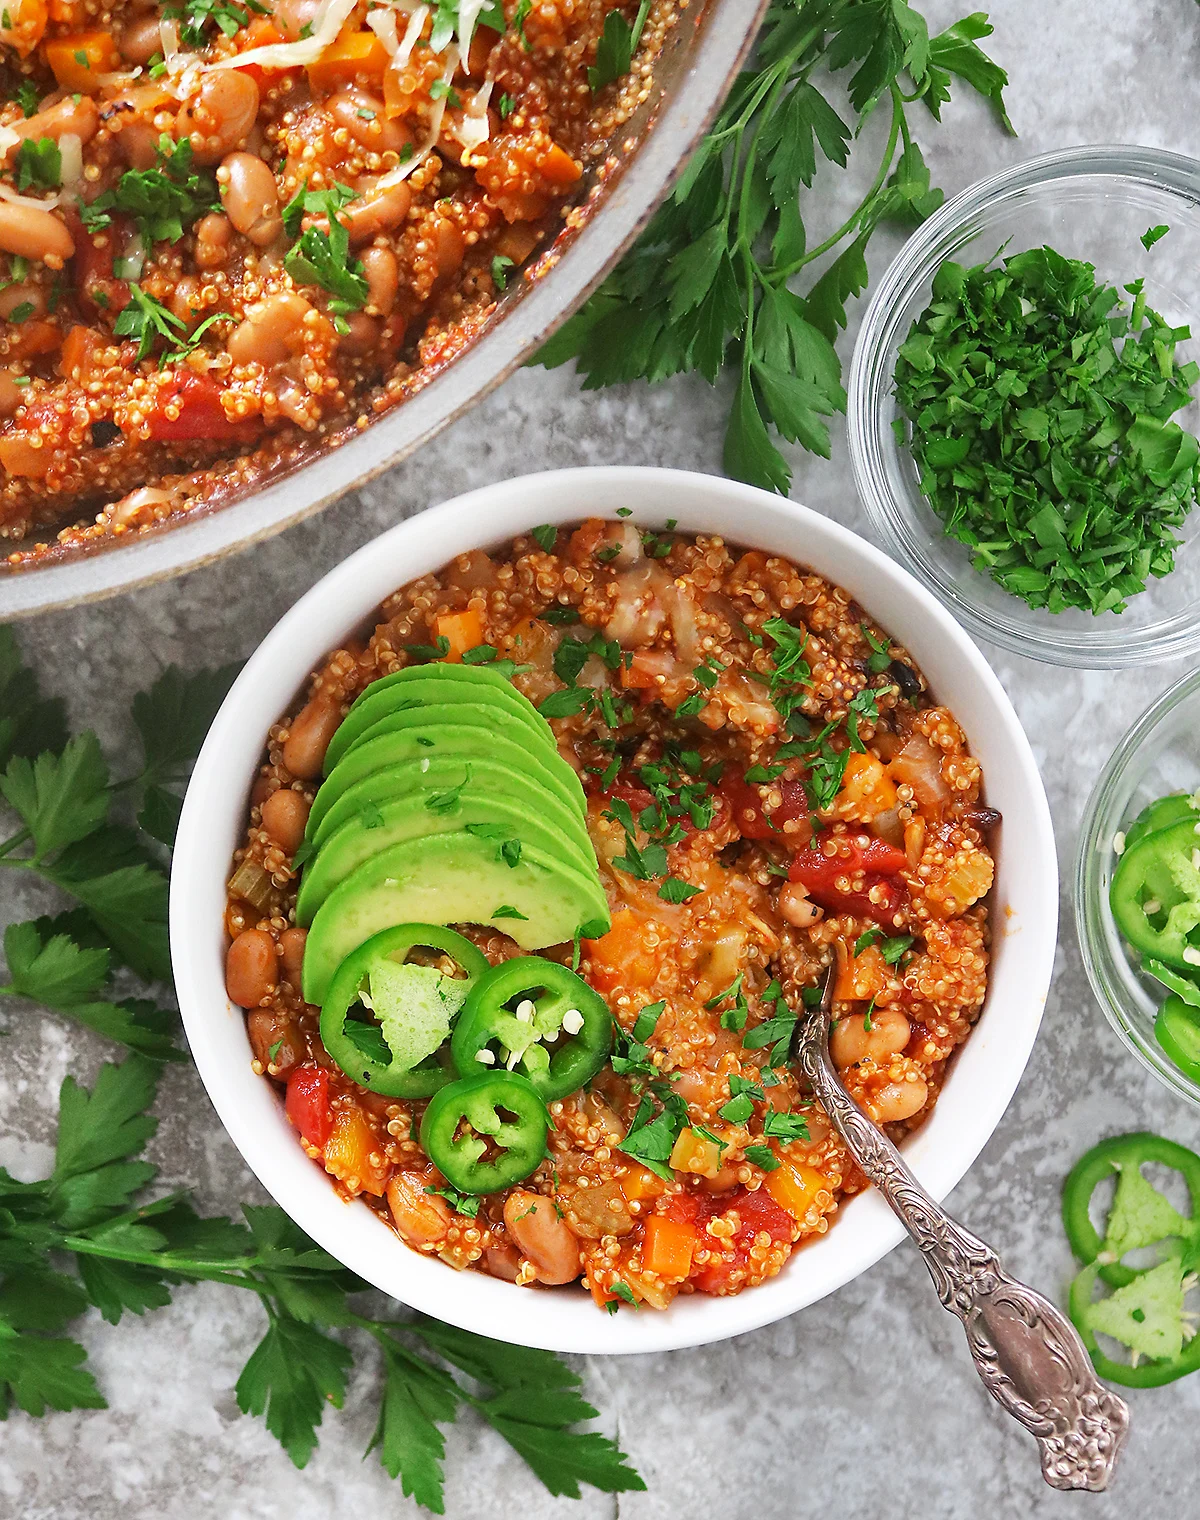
[
  {"x": 1144, "y": 813},
  {"x": 1023, "y": 406}
]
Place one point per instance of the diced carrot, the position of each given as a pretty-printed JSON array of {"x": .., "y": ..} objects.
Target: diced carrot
[
  {"x": 349, "y": 1150},
  {"x": 77, "y": 350},
  {"x": 643, "y": 671},
  {"x": 80, "y": 58},
  {"x": 22, "y": 24},
  {"x": 861, "y": 976},
  {"x": 867, "y": 789},
  {"x": 669, "y": 1246},
  {"x": 601, "y": 1295},
  {"x": 558, "y": 167},
  {"x": 695, "y": 1153},
  {"x": 639, "y": 1183},
  {"x": 794, "y": 1187},
  {"x": 463, "y": 630},
  {"x": 620, "y": 957},
  {"x": 350, "y": 58}
]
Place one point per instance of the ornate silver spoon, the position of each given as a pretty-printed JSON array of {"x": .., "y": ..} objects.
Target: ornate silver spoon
[{"x": 1026, "y": 1352}]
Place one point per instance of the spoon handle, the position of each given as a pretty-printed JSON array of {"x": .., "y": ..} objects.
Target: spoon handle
[{"x": 1026, "y": 1351}]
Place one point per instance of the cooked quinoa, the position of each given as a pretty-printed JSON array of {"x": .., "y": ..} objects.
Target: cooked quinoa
[
  {"x": 834, "y": 814},
  {"x": 179, "y": 318}
]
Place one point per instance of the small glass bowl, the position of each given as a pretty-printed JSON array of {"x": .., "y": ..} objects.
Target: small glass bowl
[
  {"x": 1092, "y": 203},
  {"x": 1159, "y": 754}
]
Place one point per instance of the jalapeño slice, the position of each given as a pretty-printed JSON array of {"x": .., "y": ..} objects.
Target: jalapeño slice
[
  {"x": 535, "y": 1017},
  {"x": 486, "y": 1132},
  {"x": 400, "y": 1052}
]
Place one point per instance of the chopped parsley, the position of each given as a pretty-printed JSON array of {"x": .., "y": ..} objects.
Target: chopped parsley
[
  {"x": 163, "y": 201},
  {"x": 27, "y": 97},
  {"x": 38, "y": 163},
  {"x": 1041, "y": 404},
  {"x": 450, "y": 800},
  {"x": 880, "y": 654},
  {"x": 197, "y": 17},
  {"x": 461, "y": 1203},
  {"x": 616, "y": 47},
  {"x": 673, "y": 890},
  {"x": 506, "y": 910},
  {"x": 150, "y": 322},
  {"x": 501, "y": 264},
  {"x": 321, "y": 257}
]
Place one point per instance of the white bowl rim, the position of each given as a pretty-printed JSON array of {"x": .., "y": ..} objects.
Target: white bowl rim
[{"x": 212, "y": 821}]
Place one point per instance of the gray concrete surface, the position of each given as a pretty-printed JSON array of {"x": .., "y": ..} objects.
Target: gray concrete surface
[{"x": 863, "y": 1406}]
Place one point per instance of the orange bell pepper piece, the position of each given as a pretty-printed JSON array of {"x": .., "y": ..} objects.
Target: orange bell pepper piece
[
  {"x": 794, "y": 1187},
  {"x": 668, "y": 1247},
  {"x": 463, "y": 631},
  {"x": 352, "y": 57},
  {"x": 80, "y": 59}
]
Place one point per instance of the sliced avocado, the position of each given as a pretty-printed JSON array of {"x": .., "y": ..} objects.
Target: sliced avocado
[
  {"x": 451, "y": 879},
  {"x": 445, "y": 770},
  {"x": 427, "y": 685},
  {"x": 508, "y": 824},
  {"x": 422, "y": 715},
  {"x": 466, "y": 742}
]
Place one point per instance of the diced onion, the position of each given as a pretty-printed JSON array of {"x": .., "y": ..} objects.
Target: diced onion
[{"x": 71, "y": 147}]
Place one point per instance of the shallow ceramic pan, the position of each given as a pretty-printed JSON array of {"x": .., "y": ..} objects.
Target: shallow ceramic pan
[
  {"x": 702, "y": 56},
  {"x": 985, "y": 1072}
]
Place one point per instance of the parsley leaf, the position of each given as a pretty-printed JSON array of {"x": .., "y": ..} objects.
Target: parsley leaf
[
  {"x": 29, "y": 723},
  {"x": 38, "y": 162},
  {"x": 708, "y": 287},
  {"x": 60, "y": 798},
  {"x": 163, "y": 201},
  {"x": 323, "y": 257},
  {"x": 616, "y": 47}
]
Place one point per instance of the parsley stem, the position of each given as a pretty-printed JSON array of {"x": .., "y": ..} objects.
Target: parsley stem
[
  {"x": 11, "y": 844},
  {"x": 784, "y": 272}
]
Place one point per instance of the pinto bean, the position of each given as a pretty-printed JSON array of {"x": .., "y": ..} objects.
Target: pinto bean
[
  {"x": 275, "y": 1041},
  {"x": 250, "y": 968},
  {"x": 852, "y": 1041},
  {"x": 213, "y": 236},
  {"x": 449, "y": 247},
  {"x": 141, "y": 39},
  {"x": 221, "y": 116},
  {"x": 11, "y": 394},
  {"x": 899, "y": 1100},
  {"x": 421, "y": 1218},
  {"x": 34, "y": 234},
  {"x": 269, "y": 334},
  {"x": 382, "y": 271},
  {"x": 138, "y": 142},
  {"x": 284, "y": 815},
  {"x": 13, "y": 297},
  {"x": 363, "y": 337},
  {"x": 250, "y": 197},
  {"x": 291, "y": 953},
  {"x": 376, "y": 212},
  {"x": 308, "y": 739},
  {"x": 547, "y": 1242},
  {"x": 363, "y": 116},
  {"x": 74, "y": 116}
]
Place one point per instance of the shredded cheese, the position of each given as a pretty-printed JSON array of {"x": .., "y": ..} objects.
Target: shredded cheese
[
  {"x": 402, "y": 171},
  {"x": 475, "y": 127},
  {"x": 331, "y": 16}
]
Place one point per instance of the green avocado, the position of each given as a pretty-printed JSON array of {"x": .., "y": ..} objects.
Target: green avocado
[
  {"x": 497, "y": 807},
  {"x": 465, "y": 742},
  {"x": 445, "y": 770},
  {"x": 422, "y": 686},
  {"x": 451, "y": 878}
]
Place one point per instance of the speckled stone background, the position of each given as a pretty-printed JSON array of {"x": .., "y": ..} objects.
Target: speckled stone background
[{"x": 865, "y": 1405}]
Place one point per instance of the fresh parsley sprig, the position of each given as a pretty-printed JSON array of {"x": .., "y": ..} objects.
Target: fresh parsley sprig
[
  {"x": 709, "y": 287},
  {"x": 125, "y": 1255}
]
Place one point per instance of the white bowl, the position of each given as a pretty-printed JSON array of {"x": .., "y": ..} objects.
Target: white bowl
[{"x": 986, "y": 1071}]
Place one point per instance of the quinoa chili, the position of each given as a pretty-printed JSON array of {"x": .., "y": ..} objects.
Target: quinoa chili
[
  {"x": 233, "y": 232},
  {"x": 770, "y": 788}
]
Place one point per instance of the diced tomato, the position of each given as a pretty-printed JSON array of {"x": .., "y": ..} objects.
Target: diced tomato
[
  {"x": 195, "y": 401},
  {"x": 754, "y": 822},
  {"x": 871, "y": 862},
  {"x": 307, "y": 1104},
  {"x": 92, "y": 264},
  {"x": 639, "y": 798},
  {"x": 758, "y": 1211}
]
